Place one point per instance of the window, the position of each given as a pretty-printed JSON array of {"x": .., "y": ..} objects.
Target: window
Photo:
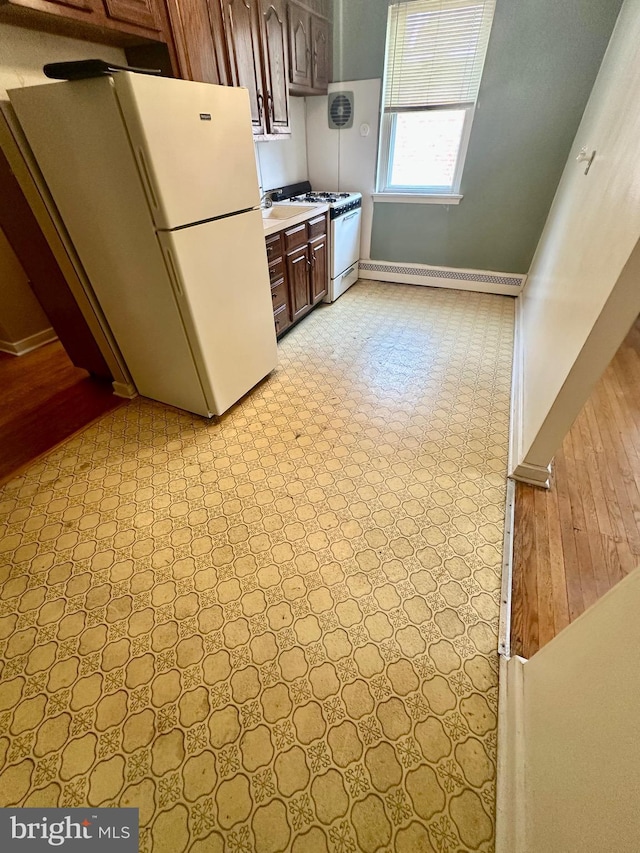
[{"x": 434, "y": 59}]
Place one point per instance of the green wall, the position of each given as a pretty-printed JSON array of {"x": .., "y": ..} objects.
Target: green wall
[{"x": 542, "y": 61}]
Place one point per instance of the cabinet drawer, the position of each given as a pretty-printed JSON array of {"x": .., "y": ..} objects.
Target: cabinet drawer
[
  {"x": 281, "y": 319},
  {"x": 295, "y": 237},
  {"x": 279, "y": 295},
  {"x": 276, "y": 270},
  {"x": 317, "y": 227},
  {"x": 274, "y": 247}
]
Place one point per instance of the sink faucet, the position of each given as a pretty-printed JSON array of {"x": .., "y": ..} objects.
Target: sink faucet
[{"x": 266, "y": 200}]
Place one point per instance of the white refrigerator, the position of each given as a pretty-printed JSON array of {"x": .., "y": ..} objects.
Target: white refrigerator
[{"x": 156, "y": 182}]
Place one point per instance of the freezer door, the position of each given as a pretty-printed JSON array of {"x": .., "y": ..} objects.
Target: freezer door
[
  {"x": 193, "y": 144},
  {"x": 221, "y": 283}
]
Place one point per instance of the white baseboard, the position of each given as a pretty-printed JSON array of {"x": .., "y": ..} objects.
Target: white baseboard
[
  {"x": 511, "y": 794},
  {"x": 478, "y": 281},
  {"x": 519, "y": 469},
  {"x": 504, "y": 629},
  {"x": 26, "y": 345},
  {"x": 516, "y": 418},
  {"x": 534, "y": 475},
  {"x": 124, "y": 389}
]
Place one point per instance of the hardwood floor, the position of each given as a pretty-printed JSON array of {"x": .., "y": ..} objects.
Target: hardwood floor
[
  {"x": 45, "y": 399},
  {"x": 577, "y": 540}
]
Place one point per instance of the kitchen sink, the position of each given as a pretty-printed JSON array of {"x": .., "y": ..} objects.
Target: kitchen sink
[{"x": 286, "y": 211}]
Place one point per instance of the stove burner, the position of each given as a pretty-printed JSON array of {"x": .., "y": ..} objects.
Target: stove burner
[
  {"x": 327, "y": 197},
  {"x": 322, "y": 196}
]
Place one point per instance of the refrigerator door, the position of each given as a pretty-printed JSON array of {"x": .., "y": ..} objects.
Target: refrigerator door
[
  {"x": 193, "y": 144},
  {"x": 221, "y": 283},
  {"x": 76, "y": 133}
]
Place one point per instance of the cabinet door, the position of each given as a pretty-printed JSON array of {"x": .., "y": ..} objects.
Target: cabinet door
[
  {"x": 281, "y": 320},
  {"x": 46, "y": 278},
  {"x": 197, "y": 30},
  {"x": 298, "y": 275},
  {"x": 319, "y": 269},
  {"x": 299, "y": 45},
  {"x": 140, "y": 12},
  {"x": 319, "y": 53},
  {"x": 86, "y": 5},
  {"x": 276, "y": 64},
  {"x": 242, "y": 32}
]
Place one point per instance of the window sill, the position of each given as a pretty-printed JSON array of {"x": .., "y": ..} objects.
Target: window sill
[{"x": 418, "y": 198}]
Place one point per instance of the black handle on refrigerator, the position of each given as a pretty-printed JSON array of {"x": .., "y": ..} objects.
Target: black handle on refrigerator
[{"x": 84, "y": 68}]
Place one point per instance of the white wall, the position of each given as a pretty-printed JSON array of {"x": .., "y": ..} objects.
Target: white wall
[
  {"x": 579, "y": 301},
  {"x": 346, "y": 159},
  {"x": 578, "y": 729},
  {"x": 23, "y": 53},
  {"x": 21, "y": 317},
  {"x": 284, "y": 161}
]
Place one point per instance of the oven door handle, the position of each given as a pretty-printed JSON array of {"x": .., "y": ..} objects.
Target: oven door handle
[{"x": 350, "y": 216}]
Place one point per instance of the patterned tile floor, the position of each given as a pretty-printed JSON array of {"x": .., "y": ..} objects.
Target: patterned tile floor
[{"x": 276, "y": 632}]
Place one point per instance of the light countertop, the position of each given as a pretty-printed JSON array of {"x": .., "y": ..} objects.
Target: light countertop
[{"x": 282, "y": 216}]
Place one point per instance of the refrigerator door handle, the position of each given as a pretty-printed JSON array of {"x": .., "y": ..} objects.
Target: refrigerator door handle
[
  {"x": 173, "y": 275},
  {"x": 146, "y": 180}
]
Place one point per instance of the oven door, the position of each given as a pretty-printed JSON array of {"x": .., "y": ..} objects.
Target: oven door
[{"x": 345, "y": 241}]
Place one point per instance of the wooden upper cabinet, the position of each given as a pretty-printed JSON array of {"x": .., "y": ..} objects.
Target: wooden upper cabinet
[
  {"x": 199, "y": 39},
  {"x": 300, "y": 45},
  {"x": 320, "y": 53},
  {"x": 85, "y": 5},
  {"x": 309, "y": 50},
  {"x": 103, "y": 21},
  {"x": 238, "y": 43},
  {"x": 142, "y": 13},
  {"x": 242, "y": 34},
  {"x": 276, "y": 64}
]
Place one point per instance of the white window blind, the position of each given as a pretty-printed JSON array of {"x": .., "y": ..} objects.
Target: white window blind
[{"x": 435, "y": 53}]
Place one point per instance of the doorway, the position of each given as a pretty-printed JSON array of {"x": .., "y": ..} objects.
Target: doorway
[
  {"x": 578, "y": 539},
  {"x": 46, "y": 399},
  {"x": 53, "y": 376}
]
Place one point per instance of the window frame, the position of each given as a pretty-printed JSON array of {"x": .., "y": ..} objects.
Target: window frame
[
  {"x": 385, "y": 190},
  {"x": 385, "y": 158}
]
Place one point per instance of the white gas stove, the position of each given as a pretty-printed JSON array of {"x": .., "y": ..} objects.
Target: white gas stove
[{"x": 345, "y": 213}]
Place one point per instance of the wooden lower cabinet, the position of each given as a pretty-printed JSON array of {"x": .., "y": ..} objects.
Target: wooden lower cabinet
[
  {"x": 298, "y": 265},
  {"x": 298, "y": 270},
  {"x": 319, "y": 254},
  {"x": 281, "y": 319}
]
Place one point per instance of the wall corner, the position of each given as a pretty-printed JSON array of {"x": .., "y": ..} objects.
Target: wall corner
[{"x": 510, "y": 794}]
